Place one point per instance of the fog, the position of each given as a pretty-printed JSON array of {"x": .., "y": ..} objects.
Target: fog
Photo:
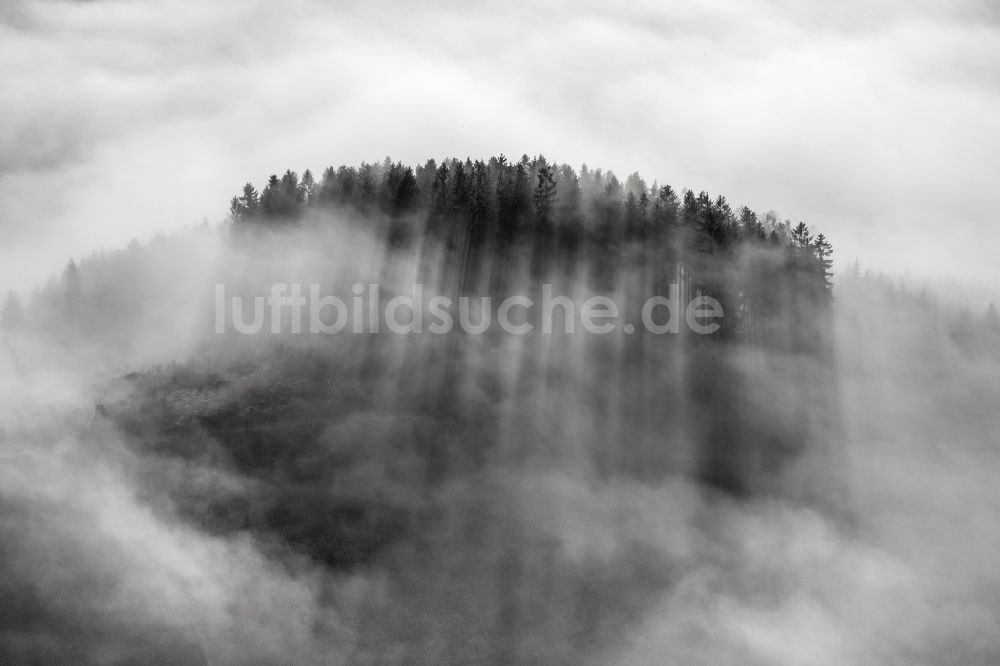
[
  {"x": 873, "y": 120},
  {"x": 522, "y": 498},
  {"x": 817, "y": 488}
]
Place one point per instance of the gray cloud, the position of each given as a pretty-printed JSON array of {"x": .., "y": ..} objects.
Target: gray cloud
[{"x": 870, "y": 121}]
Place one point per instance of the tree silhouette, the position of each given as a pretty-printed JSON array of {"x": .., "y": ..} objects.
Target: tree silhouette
[
  {"x": 544, "y": 196},
  {"x": 800, "y": 235},
  {"x": 824, "y": 253},
  {"x": 308, "y": 186},
  {"x": 498, "y": 206}
]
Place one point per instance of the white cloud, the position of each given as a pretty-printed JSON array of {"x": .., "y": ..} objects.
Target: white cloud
[{"x": 870, "y": 121}]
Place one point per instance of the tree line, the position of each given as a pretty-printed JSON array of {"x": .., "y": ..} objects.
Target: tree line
[{"x": 585, "y": 223}]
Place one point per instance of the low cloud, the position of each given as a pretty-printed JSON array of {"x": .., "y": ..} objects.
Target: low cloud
[{"x": 871, "y": 122}]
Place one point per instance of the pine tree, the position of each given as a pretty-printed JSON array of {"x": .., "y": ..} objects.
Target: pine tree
[
  {"x": 328, "y": 194},
  {"x": 292, "y": 195},
  {"x": 246, "y": 206},
  {"x": 399, "y": 189},
  {"x": 367, "y": 186},
  {"x": 800, "y": 235},
  {"x": 644, "y": 207},
  {"x": 458, "y": 189},
  {"x": 544, "y": 196},
  {"x": 440, "y": 198},
  {"x": 824, "y": 252},
  {"x": 307, "y": 187},
  {"x": 270, "y": 197},
  {"x": 347, "y": 182},
  {"x": 750, "y": 227}
]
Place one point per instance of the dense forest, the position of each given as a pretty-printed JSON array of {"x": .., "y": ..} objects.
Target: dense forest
[{"x": 480, "y": 215}]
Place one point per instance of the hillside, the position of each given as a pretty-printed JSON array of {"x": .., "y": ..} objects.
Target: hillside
[{"x": 543, "y": 492}]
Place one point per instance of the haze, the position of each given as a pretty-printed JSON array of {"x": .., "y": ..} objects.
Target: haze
[{"x": 870, "y": 121}]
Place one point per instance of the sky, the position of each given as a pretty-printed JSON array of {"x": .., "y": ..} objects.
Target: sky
[{"x": 873, "y": 122}]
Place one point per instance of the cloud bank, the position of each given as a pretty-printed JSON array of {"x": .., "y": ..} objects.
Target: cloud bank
[{"x": 871, "y": 121}]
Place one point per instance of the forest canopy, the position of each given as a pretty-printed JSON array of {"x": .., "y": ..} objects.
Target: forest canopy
[{"x": 572, "y": 224}]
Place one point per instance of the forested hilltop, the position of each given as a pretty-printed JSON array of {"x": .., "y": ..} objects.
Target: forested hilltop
[
  {"x": 383, "y": 498},
  {"x": 434, "y": 487},
  {"x": 771, "y": 276}
]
